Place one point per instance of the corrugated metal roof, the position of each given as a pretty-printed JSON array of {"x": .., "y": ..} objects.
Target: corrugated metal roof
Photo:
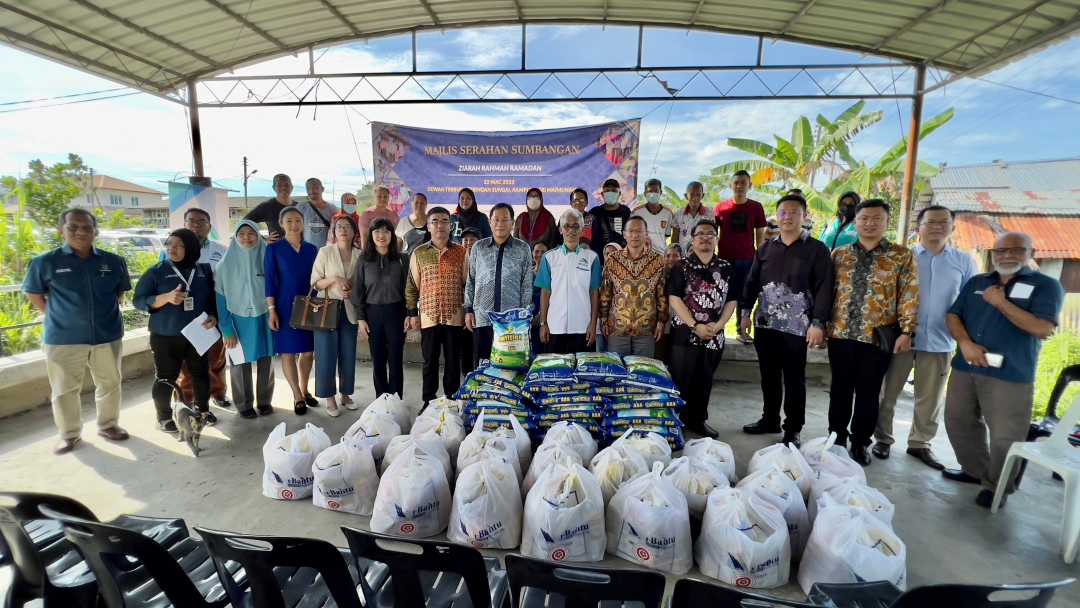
[
  {"x": 157, "y": 46},
  {"x": 1061, "y": 174},
  {"x": 1008, "y": 201},
  {"x": 1054, "y": 237},
  {"x": 104, "y": 182}
]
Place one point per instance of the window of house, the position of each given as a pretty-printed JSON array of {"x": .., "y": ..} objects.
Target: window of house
[
  {"x": 116, "y": 200},
  {"x": 134, "y": 201}
]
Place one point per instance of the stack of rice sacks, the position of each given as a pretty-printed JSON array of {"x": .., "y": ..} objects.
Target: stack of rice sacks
[
  {"x": 557, "y": 394},
  {"x": 497, "y": 391},
  {"x": 643, "y": 398}
]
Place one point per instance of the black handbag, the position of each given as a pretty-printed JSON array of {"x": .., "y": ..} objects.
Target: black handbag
[
  {"x": 886, "y": 336},
  {"x": 315, "y": 314}
]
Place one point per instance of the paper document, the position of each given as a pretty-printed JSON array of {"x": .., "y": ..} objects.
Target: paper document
[
  {"x": 236, "y": 355},
  {"x": 200, "y": 337},
  {"x": 1021, "y": 291}
]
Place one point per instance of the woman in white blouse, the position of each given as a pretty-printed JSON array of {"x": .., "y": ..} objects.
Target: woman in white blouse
[{"x": 335, "y": 351}]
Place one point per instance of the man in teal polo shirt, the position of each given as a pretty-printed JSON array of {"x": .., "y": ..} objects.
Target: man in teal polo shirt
[
  {"x": 78, "y": 288},
  {"x": 999, "y": 320}
]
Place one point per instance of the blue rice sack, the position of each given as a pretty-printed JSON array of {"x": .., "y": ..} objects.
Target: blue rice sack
[
  {"x": 600, "y": 367},
  {"x": 635, "y": 417},
  {"x": 647, "y": 402},
  {"x": 555, "y": 400},
  {"x": 504, "y": 379},
  {"x": 511, "y": 347},
  {"x": 551, "y": 367},
  {"x": 492, "y": 395},
  {"x": 576, "y": 413},
  {"x": 494, "y": 407},
  {"x": 621, "y": 389},
  {"x": 650, "y": 373},
  {"x": 543, "y": 388}
]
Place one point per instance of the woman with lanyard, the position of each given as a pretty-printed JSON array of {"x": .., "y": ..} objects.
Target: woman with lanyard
[
  {"x": 335, "y": 351},
  {"x": 287, "y": 267},
  {"x": 467, "y": 215},
  {"x": 175, "y": 292},
  {"x": 536, "y": 225},
  {"x": 841, "y": 230},
  {"x": 243, "y": 317},
  {"x": 378, "y": 297}
]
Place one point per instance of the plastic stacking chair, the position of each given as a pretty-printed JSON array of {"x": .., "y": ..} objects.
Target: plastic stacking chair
[
  {"x": 690, "y": 593},
  {"x": 885, "y": 595},
  {"x": 290, "y": 572},
  {"x": 1046, "y": 426},
  {"x": 877, "y": 594},
  {"x": 533, "y": 580},
  {"x": 134, "y": 571},
  {"x": 426, "y": 573},
  {"x": 45, "y": 565},
  {"x": 1058, "y": 455}
]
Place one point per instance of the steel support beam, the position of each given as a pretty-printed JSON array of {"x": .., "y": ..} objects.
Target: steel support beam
[
  {"x": 912, "y": 158},
  {"x": 914, "y": 22},
  {"x": 335, "y": 12},
  {"x": 196, "y": 132},
  {"x": 799, "y": 15},
  {"x": 145, "y": 32},
  {"x": 431, "y": 13},
  {"x": 249, "y": 25},
  {"x": 986, "y": 31}
]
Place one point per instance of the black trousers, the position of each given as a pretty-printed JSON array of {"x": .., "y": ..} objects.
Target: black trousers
[
  {"x": 565, "y": 344},
  {"x": 444, "y": 340},
  {"x": 782, "y": 361},
  {"x": 858, "y": 369},
  {"x": 465, "y": 351},
  {"x": 740, "y": 270},
  {"x": 387, "y": 343},
  {"x": 692, "y": 369},
  {"x": 170, "y": 353},
  {"x": 482, "y": 340}
]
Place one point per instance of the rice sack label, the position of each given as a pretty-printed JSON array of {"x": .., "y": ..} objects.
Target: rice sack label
[
  {"x": 650, "y": 373},
  {"x": 551, "y": 367},
  {"x": 635, "y": 417},
  {"x": 544, "y": 388},
  {"x": 569, "y": 413},
  {"x": 511, "y": 347},
  {"x": 554, "y": 400},
  {"x": 616, "y": 390},
  {"x": 493, "y": 377},
  {"x": 600, "y": 367}
]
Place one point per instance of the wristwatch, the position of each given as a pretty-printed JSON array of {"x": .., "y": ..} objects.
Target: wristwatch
[{"x": 543, "y": 323}]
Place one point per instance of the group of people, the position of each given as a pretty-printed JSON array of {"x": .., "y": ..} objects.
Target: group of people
[{"x": 646, "y": 281}]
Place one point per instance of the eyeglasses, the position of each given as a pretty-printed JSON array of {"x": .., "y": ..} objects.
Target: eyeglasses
[
  {"x": 571, "y": 227},
  {"x": 634, "y": 231},
  {"x": 174, "y": 246},
  {"x": 343, "y": 227},
  {"x": 80, "y": 228},
  {"x": 439, "y": 223},
  {"x": 199, "y": 223},
  {"x": 798, "y": 213},
  {"x": 1010, "y": 250},
  {"x": 705, "y": 236},
  {"x": 578, "y": 201}
]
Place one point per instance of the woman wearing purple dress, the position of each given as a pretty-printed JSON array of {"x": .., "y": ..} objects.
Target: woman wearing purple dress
[{"x": 288, "y": 265}]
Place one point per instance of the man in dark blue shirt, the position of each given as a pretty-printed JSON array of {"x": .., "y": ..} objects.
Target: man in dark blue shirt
[
  {"x": 999, "y": 321},
  {"x": 78, "y": 288}
]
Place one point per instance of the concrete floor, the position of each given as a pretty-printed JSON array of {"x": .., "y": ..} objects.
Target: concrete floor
[{"x": 949, "y": 538}]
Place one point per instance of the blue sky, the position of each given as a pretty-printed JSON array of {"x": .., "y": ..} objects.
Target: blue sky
[{"x": 144, "y": 139}]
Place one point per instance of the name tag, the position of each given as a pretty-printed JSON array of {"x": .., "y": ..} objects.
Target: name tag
[
  {"x": 1021, "y": 291},
  {"x": 59, "y": 270},
  {"x": 189, "y": 304},
  {"x": 317, "y": 225}
]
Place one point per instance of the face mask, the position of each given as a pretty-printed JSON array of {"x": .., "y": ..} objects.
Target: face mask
[
  {"x": 610, "y": 198},
  {"x": 532, "y": 203},
  {"x": 350, "y": 209},
  {"x": 848, "y": 211},
  {"x": 652, "y": 197}
]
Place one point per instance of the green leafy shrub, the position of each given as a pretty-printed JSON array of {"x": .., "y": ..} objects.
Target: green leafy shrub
[{"x": 1060, "y": 350}]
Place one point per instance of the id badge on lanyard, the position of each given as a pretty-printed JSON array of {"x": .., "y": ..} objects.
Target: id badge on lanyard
[{"x": 189, "y": 302}]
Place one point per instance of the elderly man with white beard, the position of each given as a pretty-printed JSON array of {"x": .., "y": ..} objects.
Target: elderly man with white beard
[{"x": 999, "y": 321}]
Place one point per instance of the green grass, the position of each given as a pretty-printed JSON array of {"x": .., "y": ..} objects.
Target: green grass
[{"x": 1060, "y": 350}]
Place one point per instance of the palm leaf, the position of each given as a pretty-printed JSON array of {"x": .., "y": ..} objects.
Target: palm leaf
[
  {"x": 802, "y": 139},
  {"x": 929, "y": 126},
  {"x": 851, "y": 112},
  {"x": 768, "y": 175},
  {"x": 756, "y": 148},
  {"x": 786, "y": 154},
  {"x": 750, "y": 166}
]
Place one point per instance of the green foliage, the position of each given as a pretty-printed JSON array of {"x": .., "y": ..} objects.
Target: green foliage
[
  {"x": 117, "y": 219},
  {"x": 1060, "y": 350},
  {"x": 49, "y": 189},
  {"x": 21, "y": 239}
]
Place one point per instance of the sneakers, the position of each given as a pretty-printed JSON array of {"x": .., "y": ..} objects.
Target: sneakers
[
  {"x": 265, "y": 410},
  {"x": 248, "y": 414},
  {"x": 167, "y": 426}
]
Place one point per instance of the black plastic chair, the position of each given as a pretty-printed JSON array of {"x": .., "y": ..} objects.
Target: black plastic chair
[
  {"x": 578, "y": 586},
  {"x": 291, "y": 572},
  {"x": 877, "y": 594},
  {"x": 134, "y": 571},
  {"x": 428, "y": 574},
  {"x": 690, "y": 593},
  {"x": 885, "y": 595},
  {"x": 45, "y": 565}
]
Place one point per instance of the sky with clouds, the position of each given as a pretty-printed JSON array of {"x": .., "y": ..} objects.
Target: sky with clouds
[{"x": 145, "y": 139}]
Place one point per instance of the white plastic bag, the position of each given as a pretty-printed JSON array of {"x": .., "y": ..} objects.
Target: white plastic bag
[
  {"x": 407, "y": 444},
  {"x": 849, "y": 491},
  {"x": 574, "y": 436},
  {"x": 374, "y": 430},
  {"x": 714, "y": 452},
  {"x": 849, "y": 545},
  {"x": 287, "y": 461},
  {"x": 650, "y": 445},
  {"x": 696, "y": 480},
  {"x": 413, "y": 498},
  {"x": 614, "y": 466},
  {"x": 345, "y": 479},
  {"x": 790, "y": 461},
  {"x": 547, "y": 455},
  {"x": 743, "y": 541},
  {"x": 516, "y": 435},
  {"x": 648, "y": 523},
  {"x": 487, "y": 510},
  {"x": 519, "y": 436},
  {"x": 564, "y": 516},
  {"x": 821, "y": 454},
  {"x": 441, "y": 425},
  {"x": 391, "y": 405},
  {"x": 440, "y": 404},
  {"x": 483, "y": 445},
  {"x": 774, "y": 486}
]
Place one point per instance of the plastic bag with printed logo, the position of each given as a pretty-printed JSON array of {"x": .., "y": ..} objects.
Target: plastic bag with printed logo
[
  {"x": 407, "y": 444},
  {"x": 547, "y": 455},
  {"x": 391, "y": 405},
  {"x": 564, "y": 516},
  {"x": 615, "y": 465},
  {"x": 696, "y": 480},
  {"x": 345, "y": 479},
  {"x": 774, "y": 486},
  {"x": 648, "y": 523},
  {"x": 413, "y": 499},
  {"x": 849, "y": 491},
  {"x": 790, "y": 461},
  {"x": 574, "y": 436},
  {"x": 287, "y": 461},
  {"x": 849, "y": 545},
  {"x": 375, "y": 431},
  {"x": 647, "y": 443},
  {"x": 486, "y": 445},
  {"x": 487, "y": 507},
  {"x": 714, "y": 452},
  {"x": 441, "y": 425},
  {"x": 744, "y": 541}
]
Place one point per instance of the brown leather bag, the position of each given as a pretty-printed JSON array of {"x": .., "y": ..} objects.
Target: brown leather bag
[{"x": 315, "y": 314}]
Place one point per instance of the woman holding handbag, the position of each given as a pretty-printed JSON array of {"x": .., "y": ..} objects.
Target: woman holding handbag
[
  {"x": 288, "y": 266},
  {"x": 378, "y": 297},
  {"x": 335, "y": 347}
]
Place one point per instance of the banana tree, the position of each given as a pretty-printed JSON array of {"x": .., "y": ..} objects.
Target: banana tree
[{"x": 21, "y": 239}]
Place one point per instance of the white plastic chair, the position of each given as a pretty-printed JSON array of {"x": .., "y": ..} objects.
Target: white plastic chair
[{"x": 1058, "y": 455}]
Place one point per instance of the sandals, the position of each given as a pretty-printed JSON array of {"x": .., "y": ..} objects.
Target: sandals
[{"x": 300, "y": 407}]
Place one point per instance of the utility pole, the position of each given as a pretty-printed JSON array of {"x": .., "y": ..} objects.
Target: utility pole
[{"x": 246, "y": 176}]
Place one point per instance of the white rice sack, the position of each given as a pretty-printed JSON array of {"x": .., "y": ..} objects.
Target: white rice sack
[
  {"x": 407, "y": 444},
  {"x": 390, "y": 405},
  {"x": 650, "y": 445},
  {"x": 345, "y": 479},
  {"x": 713, "y": 452},
  {"x": 487, "y": 509},
  {"x": 849, "y": 545},
  {"x": 850, "y": 492},
  {"x": 287, "y": 461},
  {"x": 613, "y": 466},
  {"x": 790, "y": 461},
  {"x": 413, "y": 499},
  {"x": 441, "y": 425},
  {"x": 548, "y": 455},
  {"x": 821, "y": 454},
  {"x": 648, "y": 523},
  {"x": 774, "y": 486},
  {"x": 574, "y": 436},
  {"x": 696, "y": 480},
  {"x": 374, "y": 430},
  {"x": 564, "y": 516},
  {"x": 744, "y": 541}
]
